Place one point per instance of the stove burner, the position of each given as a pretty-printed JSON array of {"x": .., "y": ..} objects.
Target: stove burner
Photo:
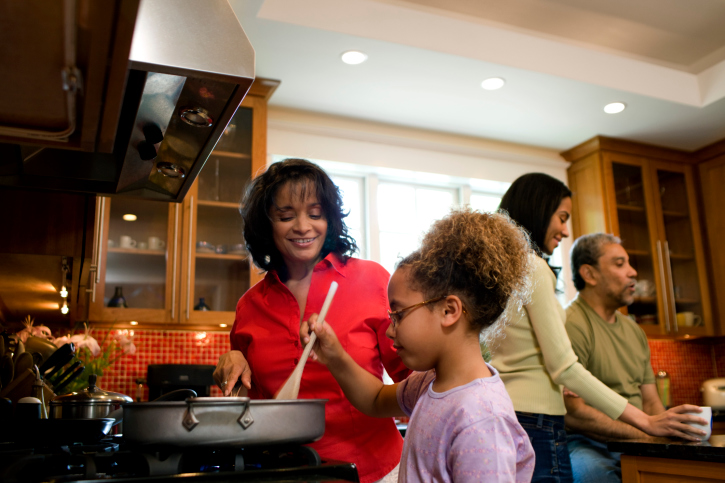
[{"x": 109, "y": 460}]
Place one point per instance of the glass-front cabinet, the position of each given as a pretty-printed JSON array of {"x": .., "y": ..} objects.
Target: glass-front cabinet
[
  {"x": 653, "y": 211},
  {"x": 171, "y": 263}
]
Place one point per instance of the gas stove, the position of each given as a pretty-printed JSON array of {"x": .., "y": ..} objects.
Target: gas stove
[{"x": 113, "y": 460}]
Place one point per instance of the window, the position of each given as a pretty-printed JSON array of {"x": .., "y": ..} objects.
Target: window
[
  {"x": 405, "y": 212},
  {"x": 352, "y": 190},
  {"x": 390, "y": 210}
]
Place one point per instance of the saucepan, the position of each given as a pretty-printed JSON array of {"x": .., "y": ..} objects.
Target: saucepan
[{"x": 229, "y": 421}]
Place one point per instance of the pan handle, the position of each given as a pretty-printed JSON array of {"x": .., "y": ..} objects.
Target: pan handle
[{"x": 190, "y": 421}]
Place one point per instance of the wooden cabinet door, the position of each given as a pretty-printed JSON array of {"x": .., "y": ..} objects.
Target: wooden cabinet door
[
  {"x": 679, "y": 235},
  {"x": 629, "y": 189},
  {"x": 138, "y": 255},
  {"x": 216, "y": 267}
]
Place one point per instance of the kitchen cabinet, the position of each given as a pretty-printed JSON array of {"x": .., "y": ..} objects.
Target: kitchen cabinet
[
  {"x": 712, "y": 179},
  {"x": 172, "y": 255},
  {"x": 639, "y": 469},
  {"x": 646, "y": 196}
]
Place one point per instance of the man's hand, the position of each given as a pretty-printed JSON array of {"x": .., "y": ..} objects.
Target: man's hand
[
  {"x": 584, "y": 419},
  {"x": 231, "y": 366}
]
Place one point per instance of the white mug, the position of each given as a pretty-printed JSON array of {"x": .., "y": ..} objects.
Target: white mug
[
  {"x": 688, "y": 319},
  {"x": 127, "y": 242},
  {"x": 706, "y": 414},
  {"x": 143, "y": 245},
  {"x": 156, "y": 243}
]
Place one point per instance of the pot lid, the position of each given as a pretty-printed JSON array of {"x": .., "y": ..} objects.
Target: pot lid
[{"x": 92, "y": 395}]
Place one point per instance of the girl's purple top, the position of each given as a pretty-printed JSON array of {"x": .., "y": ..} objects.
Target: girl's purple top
[{"x": 469, "y": 433}]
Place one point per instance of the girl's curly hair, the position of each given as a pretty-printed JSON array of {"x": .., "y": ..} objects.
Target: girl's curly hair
[{"x": 483, "y": 258}]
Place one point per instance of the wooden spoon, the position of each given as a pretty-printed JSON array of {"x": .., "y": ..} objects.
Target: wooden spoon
[{"x": 291, "y": 388}]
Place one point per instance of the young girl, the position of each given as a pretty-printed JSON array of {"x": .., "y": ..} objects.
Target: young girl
[{"x": 463, "y": 426}]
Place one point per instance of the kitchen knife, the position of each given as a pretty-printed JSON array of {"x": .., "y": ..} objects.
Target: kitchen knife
[
  {"x": 64, "y": 354},
  {"x": 59, "y": 388}
]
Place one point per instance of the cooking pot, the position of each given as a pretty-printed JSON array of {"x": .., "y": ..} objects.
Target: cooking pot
[
  {"x": 229, "y": 421},
  {"x": 90, "y": 403}
]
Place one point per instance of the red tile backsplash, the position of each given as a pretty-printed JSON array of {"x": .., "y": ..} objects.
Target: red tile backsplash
[
  {"x": 161, "y": 347},
  {"x": 687, "y": 362}
]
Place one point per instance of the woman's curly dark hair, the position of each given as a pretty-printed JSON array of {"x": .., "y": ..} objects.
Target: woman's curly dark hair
[
  {"x": 259, "y": 196},
  {"x": 483, "y": 258}
]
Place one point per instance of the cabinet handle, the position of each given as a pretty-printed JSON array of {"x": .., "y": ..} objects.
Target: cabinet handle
[
  {"x": 173, "y": 268},
  {"x": 664, "y": 286},
  {"x": 95, "y": 269},
  {"x": 188, "y": 268},
  {"x": 672, "y": 290}
]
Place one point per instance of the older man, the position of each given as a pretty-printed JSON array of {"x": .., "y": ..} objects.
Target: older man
[{"x": 613, "y": 348}]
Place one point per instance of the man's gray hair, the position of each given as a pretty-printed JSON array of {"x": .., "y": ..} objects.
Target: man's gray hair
[{"x": 586, "y": 250}]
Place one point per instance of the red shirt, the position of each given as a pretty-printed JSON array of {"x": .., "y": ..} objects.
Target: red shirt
[{"x": 266, "y": 330}]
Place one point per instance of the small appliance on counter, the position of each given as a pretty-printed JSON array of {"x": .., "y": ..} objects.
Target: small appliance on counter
[
  {"x": 163, "y": 378},
  {"x": 713, "y": 394}
]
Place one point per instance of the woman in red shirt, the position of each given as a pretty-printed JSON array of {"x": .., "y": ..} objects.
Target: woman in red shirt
[{"x": 294, "y": 229}]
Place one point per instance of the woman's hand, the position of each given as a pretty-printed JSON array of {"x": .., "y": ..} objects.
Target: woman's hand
[
  {"x": 327, "y": 348},
  {"x": 673, "y": 423},
  {"x": 231, "y": 366}
]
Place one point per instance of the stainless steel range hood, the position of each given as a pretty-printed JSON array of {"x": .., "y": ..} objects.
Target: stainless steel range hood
[{"x": 140, "y": 93}]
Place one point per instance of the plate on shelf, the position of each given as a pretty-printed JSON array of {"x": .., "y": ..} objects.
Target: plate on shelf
[{"x": 205, "y": 250}]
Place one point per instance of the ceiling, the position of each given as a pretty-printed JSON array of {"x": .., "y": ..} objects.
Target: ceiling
[{"x": 563, "y": 60}]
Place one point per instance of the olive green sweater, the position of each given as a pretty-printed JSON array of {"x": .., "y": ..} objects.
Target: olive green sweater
[{"x": 535, "y": 359}]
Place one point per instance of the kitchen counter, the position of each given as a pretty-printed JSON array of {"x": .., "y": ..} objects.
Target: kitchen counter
[
  {"x": 661, "y": 459},
  {"x": 711, "y": 450}
]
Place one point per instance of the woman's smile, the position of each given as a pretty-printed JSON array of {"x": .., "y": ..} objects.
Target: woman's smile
[{"x": 299, "y": 226}]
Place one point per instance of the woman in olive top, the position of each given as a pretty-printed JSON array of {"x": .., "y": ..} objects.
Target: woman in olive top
[{"x": 534, "y": 356}]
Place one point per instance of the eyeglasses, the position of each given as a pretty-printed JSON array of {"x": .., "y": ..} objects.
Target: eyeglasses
[{"x": 397, "y": 315}]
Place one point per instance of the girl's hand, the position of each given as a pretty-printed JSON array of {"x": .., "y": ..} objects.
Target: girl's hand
[{"x": 327, "y": 348}]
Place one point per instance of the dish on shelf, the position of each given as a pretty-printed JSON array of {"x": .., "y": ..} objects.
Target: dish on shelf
[
  {"x": 205, "y": 247},
  {"x": 237, "y": 249}
]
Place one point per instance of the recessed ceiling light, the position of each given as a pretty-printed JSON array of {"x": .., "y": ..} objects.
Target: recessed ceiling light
[
  {"x": 129, "y": 217},
  {"x": 354, "y": 57},
  {"x": 222, "y": 325},
  {"x": 614, "y": 107},
  {"x": 493, "y": 83},
  {"x": 133, "y": 322}
]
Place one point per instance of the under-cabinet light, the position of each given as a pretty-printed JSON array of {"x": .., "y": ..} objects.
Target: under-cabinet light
[
  {"x": 222, "y": 325},
  {"x": 64, "y": 308},
  {"x": 133, "y": 322},
  {"x": 130, "y": 217}
]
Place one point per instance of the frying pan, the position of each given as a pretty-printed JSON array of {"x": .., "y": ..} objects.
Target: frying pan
[{"x": 223, "y": 421}]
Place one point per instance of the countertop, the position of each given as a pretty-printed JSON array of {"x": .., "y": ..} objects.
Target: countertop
[{"x": 711, "y": 450}]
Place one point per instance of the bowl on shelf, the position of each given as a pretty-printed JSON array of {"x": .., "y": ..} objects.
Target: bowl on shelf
[
  {"x": 237, "y": 249},
  {"x": 205, "y": 247}
]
